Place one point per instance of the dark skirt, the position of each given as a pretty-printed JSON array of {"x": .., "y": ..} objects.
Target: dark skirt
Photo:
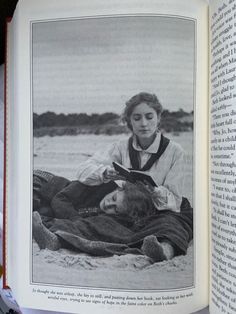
[{"x": 119, "y": 234}]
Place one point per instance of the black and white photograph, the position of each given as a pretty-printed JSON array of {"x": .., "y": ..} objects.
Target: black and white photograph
[{"x": 113, "y": 102}]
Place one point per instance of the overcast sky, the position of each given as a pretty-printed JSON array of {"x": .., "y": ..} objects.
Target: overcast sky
[{"x": 96, "y": 64}]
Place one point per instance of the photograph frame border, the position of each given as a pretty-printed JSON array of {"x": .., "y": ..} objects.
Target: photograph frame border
[{"x": 32, "y": 22}]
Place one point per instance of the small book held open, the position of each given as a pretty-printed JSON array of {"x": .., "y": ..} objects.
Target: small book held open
[{"x": 133, "y": 175}]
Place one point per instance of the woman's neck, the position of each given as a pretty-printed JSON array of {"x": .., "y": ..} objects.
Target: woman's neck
[{"x": 144, "y": 143}]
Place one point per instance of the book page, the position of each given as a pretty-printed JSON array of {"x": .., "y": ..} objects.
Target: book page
[
  {"x": 10, "y": 153},
  {"x": 78, "y": 67},
  {"x": 223, "y": 158}
]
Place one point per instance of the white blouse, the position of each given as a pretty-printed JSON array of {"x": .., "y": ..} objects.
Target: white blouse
[{"x": 167, "y": 171}]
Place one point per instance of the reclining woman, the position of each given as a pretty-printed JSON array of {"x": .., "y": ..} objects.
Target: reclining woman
[{"x": 106, "y": 219}]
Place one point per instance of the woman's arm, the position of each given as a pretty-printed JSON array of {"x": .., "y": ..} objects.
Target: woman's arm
[
  {"x": 164, "y": 199},
  {"x": 98, "y": 169},
  {"x": 63, "y": 202},
  {"x": 169, "y": 195}
]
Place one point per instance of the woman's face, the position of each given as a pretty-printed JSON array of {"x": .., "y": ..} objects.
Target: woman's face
[
  {"x": 144, "y": 121},
  {"x": 112, "y": 203}
]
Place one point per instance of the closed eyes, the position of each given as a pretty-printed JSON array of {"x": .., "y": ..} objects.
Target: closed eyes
[{"x": 148, "y": 116}]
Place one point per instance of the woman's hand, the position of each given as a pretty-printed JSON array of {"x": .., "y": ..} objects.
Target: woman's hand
[
  {"x": 110, "y": 174},
  {"x": 149, "y": 187}
]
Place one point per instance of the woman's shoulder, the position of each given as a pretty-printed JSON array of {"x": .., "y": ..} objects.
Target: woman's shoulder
[
  {"x": 175, "y": 147},
  {"x": 122, "y": 143},
  {"x": 115, "y": 150}
]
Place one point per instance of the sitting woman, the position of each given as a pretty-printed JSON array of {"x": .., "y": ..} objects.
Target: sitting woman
[
  {"x": 147, "y": 150},
  {"x": 105, "y": 220}
]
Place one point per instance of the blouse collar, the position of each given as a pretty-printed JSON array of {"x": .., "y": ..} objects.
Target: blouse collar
[{"x": 152, "y": 149}]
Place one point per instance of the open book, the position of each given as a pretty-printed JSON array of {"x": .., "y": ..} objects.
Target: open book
[
  {"x": 133, "y": 175},
  {"x": 71, "y": 66}
]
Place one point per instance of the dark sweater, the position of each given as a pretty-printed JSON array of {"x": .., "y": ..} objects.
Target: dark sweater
[{"x": 60, "y": 198}]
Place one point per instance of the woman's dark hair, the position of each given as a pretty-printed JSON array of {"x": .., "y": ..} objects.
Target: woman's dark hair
[
  {"x": 150, "y": 99},
  {"x": 138, "y": 201}
]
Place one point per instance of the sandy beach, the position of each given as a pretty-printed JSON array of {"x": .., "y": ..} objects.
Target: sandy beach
[
  {"x": 127, "y": 271},
  {"x": 61, "y": 155}
]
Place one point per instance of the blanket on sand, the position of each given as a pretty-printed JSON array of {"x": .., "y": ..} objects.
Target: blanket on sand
[{"x": 105, "y": 235}]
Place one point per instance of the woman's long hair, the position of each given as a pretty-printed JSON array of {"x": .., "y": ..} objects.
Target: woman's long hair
[{"x": 138, "y": 201}]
